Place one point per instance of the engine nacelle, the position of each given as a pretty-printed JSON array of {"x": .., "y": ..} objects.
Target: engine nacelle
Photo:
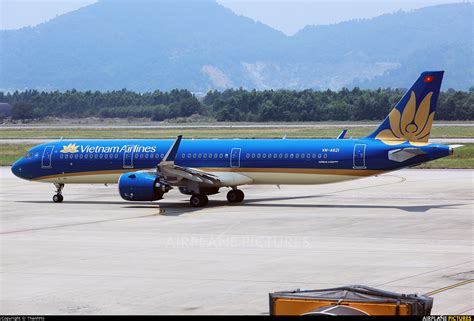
[{"x": 141, "y": 186}]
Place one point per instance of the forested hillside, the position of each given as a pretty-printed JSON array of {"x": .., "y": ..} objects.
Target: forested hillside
[{"x": 230, "y": 105}]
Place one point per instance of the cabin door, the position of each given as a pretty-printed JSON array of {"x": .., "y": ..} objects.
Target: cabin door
[
  {"x": 47, "y": 155},
  {"x": 128, "y": 157},
  {"x": 359, "y": 156},
  {"x": 235, "y": 157}
]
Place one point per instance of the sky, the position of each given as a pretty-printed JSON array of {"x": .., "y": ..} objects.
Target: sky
[{"x": 287, "y": 16}]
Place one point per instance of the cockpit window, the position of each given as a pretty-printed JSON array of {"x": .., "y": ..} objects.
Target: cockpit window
[{"x": 28, "y": 154}]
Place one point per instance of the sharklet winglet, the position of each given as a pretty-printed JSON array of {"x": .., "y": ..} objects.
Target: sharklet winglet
[
  {"x": 342, "y": 134},
  {"x": 171, "y": 154}
]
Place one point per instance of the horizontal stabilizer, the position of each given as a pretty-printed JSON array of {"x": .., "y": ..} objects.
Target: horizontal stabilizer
[{"x": 403, "y": 154}]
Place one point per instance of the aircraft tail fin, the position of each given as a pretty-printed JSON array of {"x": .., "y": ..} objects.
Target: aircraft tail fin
[{"x": 412, "y": 117}]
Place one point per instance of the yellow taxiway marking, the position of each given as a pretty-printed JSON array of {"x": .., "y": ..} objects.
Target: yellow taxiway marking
[{"x": 449, "y": 287}]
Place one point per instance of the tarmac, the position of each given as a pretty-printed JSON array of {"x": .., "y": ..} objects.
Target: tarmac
[{"x": 409, "y": 231}]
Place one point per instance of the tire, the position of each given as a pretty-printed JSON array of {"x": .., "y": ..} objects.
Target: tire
[
  {"x": 235, "y": 196},
  {"x": 198, "y": 200},
  {"x": 58, "y": 198},
  {"x": 241, "y": 195}
]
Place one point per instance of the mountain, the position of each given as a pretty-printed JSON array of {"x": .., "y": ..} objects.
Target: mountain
[
  {"x": 200, "y": 45},
  {"x": 392, "y": 49},
  {"x": 141, "y": 45}
]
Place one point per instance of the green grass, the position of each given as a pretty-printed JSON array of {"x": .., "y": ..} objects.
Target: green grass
[
  {"x": 463, "y": 156},
  {"x": 9, "y": 153},
  {"x": 330, "y": 132}
]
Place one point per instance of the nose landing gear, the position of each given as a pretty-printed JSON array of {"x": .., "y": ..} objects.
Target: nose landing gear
[{"x": 58, "y": 197}]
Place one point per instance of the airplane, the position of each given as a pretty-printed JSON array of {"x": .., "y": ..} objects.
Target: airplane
[{"x": 145, "y": 170}]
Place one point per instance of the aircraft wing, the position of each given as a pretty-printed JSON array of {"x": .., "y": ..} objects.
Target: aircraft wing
[
  {"x": 179, "y": 172},
  {"x": 174, "y": 174}
]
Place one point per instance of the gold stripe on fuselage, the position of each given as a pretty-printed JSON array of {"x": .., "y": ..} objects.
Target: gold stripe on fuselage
[{"x": 348, "y": 172}]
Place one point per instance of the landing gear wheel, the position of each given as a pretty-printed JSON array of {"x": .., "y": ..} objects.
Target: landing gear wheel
[
  {"x": 198, "y": 200},
  {"x": 58, "y": 198},
  {"x": 235, "y": 196}
]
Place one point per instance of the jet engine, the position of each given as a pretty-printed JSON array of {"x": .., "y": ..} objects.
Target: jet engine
[{"x": 142, "y": 186}]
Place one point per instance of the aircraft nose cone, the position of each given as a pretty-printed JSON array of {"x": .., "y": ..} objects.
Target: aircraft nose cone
[{"x": 16, "y": 169}]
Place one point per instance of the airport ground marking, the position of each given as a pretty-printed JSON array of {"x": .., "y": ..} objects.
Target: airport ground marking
[{"x": 449, "y": 287}]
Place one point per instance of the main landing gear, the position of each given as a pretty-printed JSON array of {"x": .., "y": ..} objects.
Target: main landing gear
[
  {"x": 235, "y": 196},
  {"x": 200, "y": 200},
  {"x": 58, "y": 197}
]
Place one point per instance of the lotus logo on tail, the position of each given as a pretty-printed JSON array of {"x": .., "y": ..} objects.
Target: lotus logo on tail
[
  {"x": 413, "y": 125},
  {"x": 71, "y": 148}
]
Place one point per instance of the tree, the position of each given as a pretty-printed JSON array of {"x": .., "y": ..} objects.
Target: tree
[{"x": 22, "y": 111}]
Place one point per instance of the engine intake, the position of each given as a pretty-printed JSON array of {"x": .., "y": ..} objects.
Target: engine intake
[{"x": 141, "y": 186}]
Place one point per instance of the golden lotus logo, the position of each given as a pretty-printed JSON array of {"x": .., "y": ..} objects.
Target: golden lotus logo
[
  {"x": 413, "y": 125},
  {"x": 71, "y": 148}
]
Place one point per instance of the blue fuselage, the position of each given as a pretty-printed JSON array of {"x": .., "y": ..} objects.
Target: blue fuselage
[{"x": 350, "y": 157}]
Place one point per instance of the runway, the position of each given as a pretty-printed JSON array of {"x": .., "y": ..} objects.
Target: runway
[{"x": 409, "y": 231}]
